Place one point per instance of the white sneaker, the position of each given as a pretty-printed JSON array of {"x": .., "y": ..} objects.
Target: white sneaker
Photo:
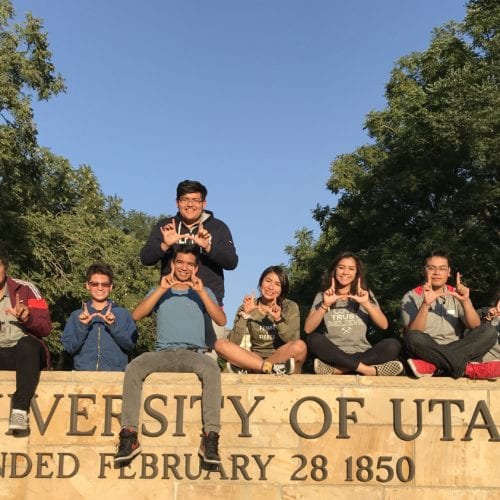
[{"x": 18, "y": 420}]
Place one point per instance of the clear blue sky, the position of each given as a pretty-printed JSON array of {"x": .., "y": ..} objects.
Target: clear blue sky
[{"x": 254, "y": 98}]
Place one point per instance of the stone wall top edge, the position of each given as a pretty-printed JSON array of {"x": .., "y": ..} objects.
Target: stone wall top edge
[{"x": 58, "y": 377}]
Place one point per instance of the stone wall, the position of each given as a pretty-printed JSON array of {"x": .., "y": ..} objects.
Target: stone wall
[{"x": 294, "y": 437}]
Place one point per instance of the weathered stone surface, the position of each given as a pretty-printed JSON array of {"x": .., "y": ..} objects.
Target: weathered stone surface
[{"x": 302, "y": 436}]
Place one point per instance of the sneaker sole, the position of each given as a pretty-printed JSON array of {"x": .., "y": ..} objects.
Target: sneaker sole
[
  {"x": 128, "y": 457},
  {"x": 18, "y": 427},
  {"x": 208, "y": 460},
  {"x": 416, "y": 372}
]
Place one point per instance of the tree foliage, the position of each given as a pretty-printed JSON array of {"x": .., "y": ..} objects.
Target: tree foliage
[
  {"x": 54, "y": 219},
  {"x": 429, "y": 179}
]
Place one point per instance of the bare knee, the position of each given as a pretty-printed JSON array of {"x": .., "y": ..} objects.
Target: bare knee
[{"x": 298, "y": 349}]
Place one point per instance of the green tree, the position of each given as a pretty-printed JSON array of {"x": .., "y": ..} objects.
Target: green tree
[
  {"x": 54, "y": 219},
  {"x": 26, "y": 72},
  {"x": 430, "y": 177}
]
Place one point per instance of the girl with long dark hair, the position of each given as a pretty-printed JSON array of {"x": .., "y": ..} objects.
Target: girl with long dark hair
[{"x": 338, "y": 322}]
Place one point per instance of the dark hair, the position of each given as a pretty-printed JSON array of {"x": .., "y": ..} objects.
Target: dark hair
[
  {"x": 186, "y": 248},
  {"x": 330, "y": 273},
  {"x": 4, "y": 259},
  {"x": 99, "y": 268},
  {"x": 187, "y": 187},
  {"x": 282, "y": 276},
  {"x": 437, "y": 253}
]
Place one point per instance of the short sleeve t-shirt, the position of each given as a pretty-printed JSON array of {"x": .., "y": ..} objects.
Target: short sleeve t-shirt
[
  {"x": 445, "y": 317},
  {"x": 181, "y": 319},
  {"x": 346, "y": 324}
]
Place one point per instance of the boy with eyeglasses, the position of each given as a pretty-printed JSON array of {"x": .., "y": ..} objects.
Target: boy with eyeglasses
[
  {"x": 435, "y": 316},
  {"x": 100, "y": 335},
  {"x": 196, "y": 225}
]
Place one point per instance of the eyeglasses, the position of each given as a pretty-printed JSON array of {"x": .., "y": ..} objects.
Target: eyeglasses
[
  {"x": 186, "y": 201},
  {"x": 97, "y": 284},
  {"x": 440, "y": 269}
]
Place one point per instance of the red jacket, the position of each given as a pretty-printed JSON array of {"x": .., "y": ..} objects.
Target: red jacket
[{"x": 38, "y": 324}]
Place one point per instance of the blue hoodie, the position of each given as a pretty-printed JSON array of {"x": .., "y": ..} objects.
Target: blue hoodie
[{"x": 99, "y": 346}]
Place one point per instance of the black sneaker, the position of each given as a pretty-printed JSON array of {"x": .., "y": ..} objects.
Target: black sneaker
[
  {"x": 128, "y": 447},
  {"x": 286, "y": 368},
  {"x": 209, "y": 448}
]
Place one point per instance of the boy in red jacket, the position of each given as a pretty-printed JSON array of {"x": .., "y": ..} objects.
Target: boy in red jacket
[{"x": 24, "y": 320}]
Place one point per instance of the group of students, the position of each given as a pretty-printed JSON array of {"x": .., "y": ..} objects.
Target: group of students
[{"x": 443, "y": 332}]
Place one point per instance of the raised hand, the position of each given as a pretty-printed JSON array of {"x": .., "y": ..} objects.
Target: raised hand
[
  {"x": 168, "y": 281},
  {"x": 20, "y": 311},
  {"x": 196, "y": 284},
  {"x": 85, "y": 317},
  {"x": 108, "y": 316},
  {"x": 169, "y": 233},
  {"x": 362, "y": 296},
  {"x": 203, "y": 238},
  {"x": 249, "y": 303},
  {"x": 330, "y": 296},
  {"x": 493, "y": 312},
  {"x": 429, "y": 294},
  {"x": 461, "y": 291},
  {"x": 273, "y": 310}
]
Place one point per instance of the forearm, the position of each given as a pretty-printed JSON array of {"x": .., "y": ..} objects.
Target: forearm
[
  {"x": 145, "y": 307},
  {"x": 471, "y": 317},
  {"x": 74, "y": 335},
  {"x": 420, "y": 320},
  {"x": 226, "y": 257},
  {"x": 377, "y": 317},
  {"x": 289, "y": 325},
  {"x": 315, "y": 318},
  {"x": 240, "y": 328},
  {"x": 38, "y": 322},
  {"x": 213, "y": 309},
  {"x": 152, "y": 251},
  {"x": 124, "y": 333}
]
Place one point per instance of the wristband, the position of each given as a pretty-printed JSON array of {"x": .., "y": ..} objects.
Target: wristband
[{"x": 325, "y": 308}]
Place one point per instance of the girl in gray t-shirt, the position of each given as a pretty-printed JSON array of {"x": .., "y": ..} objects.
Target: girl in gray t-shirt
[{"x": 337, "y": 324}]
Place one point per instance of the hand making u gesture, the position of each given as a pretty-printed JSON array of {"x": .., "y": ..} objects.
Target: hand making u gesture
[
  {"x": 431, "y": 295},
  {"x": 107, "y": 316},
  {"x": 249, "y": 303},
  {"x": 362, "y": 296},
  {"x": 20, "y": 311},
  {"x": 330, "y": 296},
  {"x": 203, "y": 238},
  {"x": 461, "y": 291},
  {"x": 272, "y": 310},
  {"x": 168, "y": 281},
  {"x": 196, "y": 283},
  {"x": 169, "y": 233}
]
